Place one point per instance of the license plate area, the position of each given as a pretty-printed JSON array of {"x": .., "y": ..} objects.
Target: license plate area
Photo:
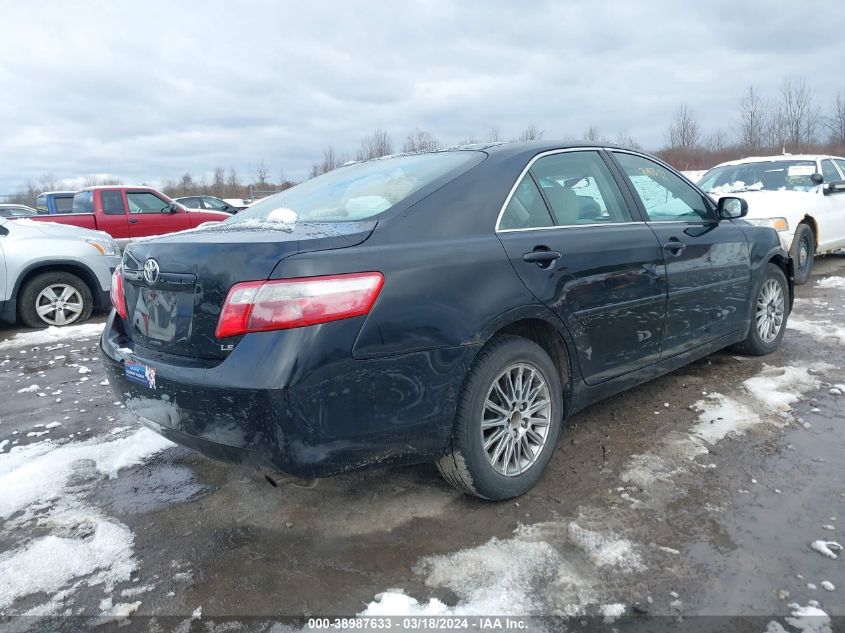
[{"x": 140, "y": 374}]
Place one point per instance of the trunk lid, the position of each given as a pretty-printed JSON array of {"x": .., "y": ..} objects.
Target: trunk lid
[{"x": 177, "y": 312}]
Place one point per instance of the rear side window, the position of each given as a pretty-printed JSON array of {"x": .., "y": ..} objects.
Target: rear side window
[
  {"x": 580, "y": 189},
  {"x": 146, "y": 202},
  {"x": 112, "y": 202},
  {"x": 64, "y": 204},
  {"x": 41, "y": 204},
  {"x": 83, "y": 202},
  {"x": 191, "y": 203},
  {"x": 526, "y": 208},
  {"x": 361, "y": 190}
]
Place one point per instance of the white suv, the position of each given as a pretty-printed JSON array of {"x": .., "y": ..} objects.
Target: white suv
[{"x": 800, "y": 196}]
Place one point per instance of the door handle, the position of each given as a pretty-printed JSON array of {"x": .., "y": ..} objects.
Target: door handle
[
  {"x": 133, "y": 221},
  {"x": 541, "y": 256},
  {"x": 675, "y": 246}
]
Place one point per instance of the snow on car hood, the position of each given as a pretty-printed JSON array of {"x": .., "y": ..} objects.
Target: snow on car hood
[
  {"x": 770, "y": 204},
  {"x": 54, "y": 229}
]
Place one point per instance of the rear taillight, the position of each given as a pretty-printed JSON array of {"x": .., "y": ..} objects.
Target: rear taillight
[
  {"x": 280, "y": 304},
  {"x": 117, "y": 300}
]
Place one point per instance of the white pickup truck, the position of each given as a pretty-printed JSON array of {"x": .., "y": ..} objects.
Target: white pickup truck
[{"x": 800, "y": 196}]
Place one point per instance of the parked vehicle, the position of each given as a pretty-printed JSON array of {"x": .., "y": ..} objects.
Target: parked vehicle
[
  {"x": 210, "y": 203},
  {"x": 128, "y": 213},
  {"x": 55, "y": 202},
  {"x": 16, "y": 211},
  {"x": 802, "y": 197},
  {"x": 452, "y": 306},
  {"x": 52, "y": 274}
]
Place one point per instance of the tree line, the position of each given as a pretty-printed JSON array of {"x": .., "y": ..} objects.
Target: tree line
[{"x": 791, "y": 121}]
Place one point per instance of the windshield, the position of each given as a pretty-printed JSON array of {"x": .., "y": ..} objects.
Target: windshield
[
  {"x": 775, "y": 175},
  {"x": 358, "y": 191}
]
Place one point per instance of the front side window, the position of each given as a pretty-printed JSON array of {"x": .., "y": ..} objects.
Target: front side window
[
  {"x": 41, "y": 204},
  {"x": 83, "y": 202},
  {"x": 580, "y": 189},
  {"x": 666, "y": 196},
  {"x": 146, "y": 202},
  {"x": 190, "y": 203},
  {"x": 112, "y": 202},
  {"x": 360, "y": 191},
  {"x": 526, "y": 208},
  {"x": 64, "y": 204},
  {"x": 841, "y": 164},
  {"x": 829, "y": 172}
]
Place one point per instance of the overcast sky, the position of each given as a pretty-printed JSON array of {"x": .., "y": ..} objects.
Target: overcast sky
[{"x": 148, "y": 90}]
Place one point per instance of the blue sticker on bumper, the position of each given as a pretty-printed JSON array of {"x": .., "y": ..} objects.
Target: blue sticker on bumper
[{"x": 140, "y": 374}]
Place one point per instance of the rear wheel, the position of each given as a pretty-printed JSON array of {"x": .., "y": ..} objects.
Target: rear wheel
[
  {"x": 768, "y": 316},
  {"x": 803, "y": 252},
  {"x": 54, "y": 298},
  {"x": 507, "y": 423}
]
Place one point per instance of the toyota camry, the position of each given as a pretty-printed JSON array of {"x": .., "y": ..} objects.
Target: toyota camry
[{"x": 450, "y": 307}]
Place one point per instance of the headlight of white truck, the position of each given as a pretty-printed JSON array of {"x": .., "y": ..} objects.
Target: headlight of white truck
[
  {"x": 107, "y": 248},
  {"x": 778, "y": 224}
]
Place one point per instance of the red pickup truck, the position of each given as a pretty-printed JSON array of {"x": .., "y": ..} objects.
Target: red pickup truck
[{"x": 127, "y": 213}]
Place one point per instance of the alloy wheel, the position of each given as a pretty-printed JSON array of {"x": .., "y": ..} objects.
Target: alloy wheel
[
  {"x": 59, "y": 304},
  {"x": 770, "y": 310},
  {"x": 516, "y": 418}
]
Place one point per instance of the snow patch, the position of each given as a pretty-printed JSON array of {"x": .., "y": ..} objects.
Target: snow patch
[
  {"x": 780, "y": 387},
  {"x": 52, "y": 335},
  {"x": 831, "y": 282},
  {"x": 721, "y": 416},
  {"x": 30, "y": 389},
  {"x": 605, "y": 550},
  {"x": 826, "y": 548},
  {"x": 820, "y": 330}
]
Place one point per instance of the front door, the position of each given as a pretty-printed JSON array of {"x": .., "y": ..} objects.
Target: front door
[
  {"x": 151, "y": 215},
  {"x": 707, "y": 260},
  {"x": 831, "y": 209},
  {"x": 577, "y": 246}
]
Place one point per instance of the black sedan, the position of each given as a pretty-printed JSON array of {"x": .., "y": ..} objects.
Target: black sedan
[{"x": 453, "y": 306}]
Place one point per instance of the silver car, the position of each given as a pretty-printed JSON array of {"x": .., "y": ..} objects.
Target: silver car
[{"x": 53, "y": 274}]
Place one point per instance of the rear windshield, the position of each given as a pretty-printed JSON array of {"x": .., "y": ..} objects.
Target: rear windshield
[
  {"x": 83, "y": 202},
  {"x": 359, "y": 191},
  {"x": 64, "y": 204}
]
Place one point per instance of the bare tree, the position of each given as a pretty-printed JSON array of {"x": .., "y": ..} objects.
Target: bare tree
[
  {"x": 593, "y": 135},
  {"x": 684, "y": 131},
  {"x": 375, "y": 145},
  {"x": 259, "y": 178},
  {"x": 836, "y": 121},
  {"x": 218, "y": 182},
  {"x": 754, "y": 121},
  {"x": 531, "y": 133},
  {"x": 329, "y": 163},
  {"x": 800, "y": 117},
  {"x": 717, "y": 141},
  {"x": 420, "y": 141},
  {"x": 233, "y": 184},
  {"x": 493, "y": 135},
  {"x": 186, "y": 184},
  {"x": 472, "y": 139},
  {"x": 626, "y": 140}
]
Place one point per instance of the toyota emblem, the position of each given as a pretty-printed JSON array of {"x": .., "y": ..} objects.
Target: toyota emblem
[{"x": 151, "y": 271}]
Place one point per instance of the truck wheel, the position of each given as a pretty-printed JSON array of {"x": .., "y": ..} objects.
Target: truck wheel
[
  {"x": 768, "y": 315},
  {"x": 803, "y": 252},
  {"x": 507, "y": 423},
  {"x": 54, "y": 298}
]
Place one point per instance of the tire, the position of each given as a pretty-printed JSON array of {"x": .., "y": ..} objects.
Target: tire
[
  {"x": 40, "y": 291},
  {"x": 803, "y": 252},
  {"x": 763, "y": 307},
  {"x": 466, "y": 464}
]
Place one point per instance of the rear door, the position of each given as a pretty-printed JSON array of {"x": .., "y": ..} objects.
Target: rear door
[
  {"x": 578, "y": 246},
  {"x": 150, "y": 214},
  {"x": 707, "y": 260},
  {"x": 112, "y": 216}
]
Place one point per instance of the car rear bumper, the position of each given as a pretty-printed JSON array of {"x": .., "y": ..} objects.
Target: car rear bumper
[{"x": 337, "y": 415}]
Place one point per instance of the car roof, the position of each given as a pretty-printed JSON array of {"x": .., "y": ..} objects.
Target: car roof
[
  {"x": 766, "y": 159},
  {"x": 56, "y": 193},
  {"x": 16, "y": 205},
  {"x": 144, "y": 187}
]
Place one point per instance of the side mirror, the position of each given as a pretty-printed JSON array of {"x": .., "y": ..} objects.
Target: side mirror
[
  {"x": 834, "y": 186},
  {"x": 225, "y": 207},
  {"x": 732, "y": 208},
  {"x": 174, "y": 208},
  {"x": 817, "y": 179}
]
